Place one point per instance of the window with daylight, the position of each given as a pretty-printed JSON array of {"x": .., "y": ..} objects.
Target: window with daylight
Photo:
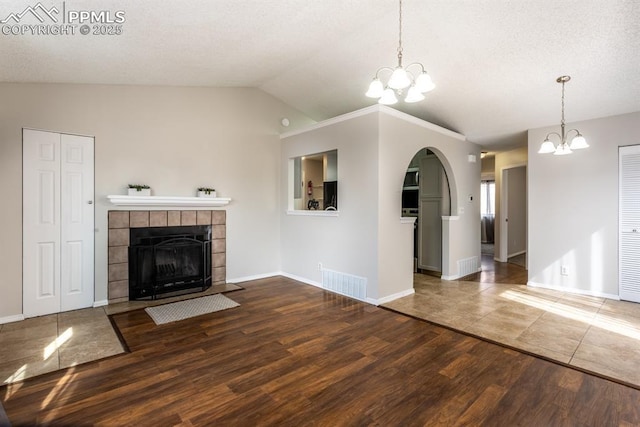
[
  {"x": 487, "y": 198},
  {"x": 487, "y": 210}
]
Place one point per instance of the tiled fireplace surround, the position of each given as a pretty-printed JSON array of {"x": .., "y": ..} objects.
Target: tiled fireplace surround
[{"x": 121, "y": 221}]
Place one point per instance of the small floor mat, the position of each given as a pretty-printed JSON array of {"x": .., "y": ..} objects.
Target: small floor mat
[{"x": 180, "y": 310}]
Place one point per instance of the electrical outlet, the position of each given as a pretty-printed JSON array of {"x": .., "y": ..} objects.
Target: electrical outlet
[
  {"x": 319, "y": 266},
  {"x": 564, "y": 270}
]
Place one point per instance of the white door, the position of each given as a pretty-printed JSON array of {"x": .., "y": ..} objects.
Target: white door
[
  {"x": 629, "y": 226},
  {"x": 57, "y": 222},
  {"x": 40, "y": 222},
  {"x": 77, "y": 228}
]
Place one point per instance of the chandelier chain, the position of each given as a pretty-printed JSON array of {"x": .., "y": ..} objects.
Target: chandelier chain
[
  {"x": 562, "y": 122},
  {"x": 400, "y": 36}
]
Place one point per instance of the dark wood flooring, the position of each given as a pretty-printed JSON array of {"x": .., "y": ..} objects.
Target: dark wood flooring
[{"x": 294, "y": 355}]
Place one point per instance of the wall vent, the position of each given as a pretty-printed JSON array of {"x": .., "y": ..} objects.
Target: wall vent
[
  {"x": 345, "y": 284},
  {"x": 467, "y": 266}
]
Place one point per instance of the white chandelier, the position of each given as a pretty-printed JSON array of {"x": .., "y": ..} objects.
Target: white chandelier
[
  {"x": 400, "y": 79},
  {"x": 578, "y": 142}
]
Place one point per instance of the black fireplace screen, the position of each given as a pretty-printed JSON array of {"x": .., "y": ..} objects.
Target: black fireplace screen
[{"x": 168, "y": 261}]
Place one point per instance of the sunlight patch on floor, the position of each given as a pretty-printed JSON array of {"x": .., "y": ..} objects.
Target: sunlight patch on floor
[
  {"x": 599, "y": 320},
  {"x": 60, "y": 387},
  {"x": 55, "y": 345},
  {"x": 18, "y": 375}
]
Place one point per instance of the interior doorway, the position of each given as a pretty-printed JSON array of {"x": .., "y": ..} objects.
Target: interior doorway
[
  {"x": 487, "y": 216},
  {"x": 513, "y": 223},
  {"x": 426, "y": 196}
]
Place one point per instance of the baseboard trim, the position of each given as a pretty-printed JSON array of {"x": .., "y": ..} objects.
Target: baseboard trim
[
  {"x": 391, "y": 297},
  {"x": 100, "y": 303},
  {"x": 301, "y": 279},
  {"x": 458, "y": 276},
  {"x": 11, "y": 319},
  {"x": 254, "y": 277},
  {"x": 306, "y": 281},
  {"x": 574, "y": 291},
  {"x": 516, "y": 254}
]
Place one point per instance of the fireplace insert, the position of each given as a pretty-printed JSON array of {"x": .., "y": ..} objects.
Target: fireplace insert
[{"x": 168, "y": 261}]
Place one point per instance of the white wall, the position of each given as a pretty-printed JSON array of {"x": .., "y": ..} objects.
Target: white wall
[
  {"x": 172, "y": 138},
  {"x": 346, "y": 243},
  {"x": 573, "y": 207},
  {"x": 368, "y": 238}
]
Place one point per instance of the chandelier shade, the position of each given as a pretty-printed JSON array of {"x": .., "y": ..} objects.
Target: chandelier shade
[
  {"x": 400, "y": 78},
  {"x": 414, "y": 95},
  {"x": 376, "y": 89},
  {"x": 563, "y": 148},
  {"x": 388, "y": 97}
]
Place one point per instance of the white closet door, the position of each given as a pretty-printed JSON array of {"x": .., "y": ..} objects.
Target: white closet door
[
  {"x": 41, "y": 222},
  {"x": 77, "y": 225},
  {"x": 58, "y": 222},
  {"x": 629, "y": 239}
]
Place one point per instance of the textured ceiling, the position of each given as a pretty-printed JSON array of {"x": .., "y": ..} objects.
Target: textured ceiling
[{"x": 494, "y": 61}]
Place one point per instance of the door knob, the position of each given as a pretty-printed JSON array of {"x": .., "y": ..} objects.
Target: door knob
[{"x": 90, "y": 202}]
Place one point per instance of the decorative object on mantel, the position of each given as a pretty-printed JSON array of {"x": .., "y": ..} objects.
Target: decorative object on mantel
[
  {"x": 207, "y": 192},
  {"x": 167, "y": 201},
  {"x": 139, "y": 190}
]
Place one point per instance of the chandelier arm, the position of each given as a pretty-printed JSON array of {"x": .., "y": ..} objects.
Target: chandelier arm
[
  {"x": 418, "y": 64},
  {"x": 574, "y": 130},
  {"x": 382, "y": 69},
  {"x": 556, "y": 134}
]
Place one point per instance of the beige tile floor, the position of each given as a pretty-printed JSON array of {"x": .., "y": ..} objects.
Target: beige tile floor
[
  {"x": 47, "y": 343},
  {"x": 595, "y": 334},
  {"x": 43, "y": 344}
]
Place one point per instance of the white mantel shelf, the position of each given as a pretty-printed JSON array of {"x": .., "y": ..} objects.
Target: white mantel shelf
[{"x": 122, "y": 200}]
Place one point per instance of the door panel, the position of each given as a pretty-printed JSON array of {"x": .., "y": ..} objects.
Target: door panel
[
  {"x": 58, "y": 222},
  {"x": 77, "y": 211},
  {"x": 46, "y": 270},
  {"x": 629, "y": 223},
  {"x": 41, "y": 222}
]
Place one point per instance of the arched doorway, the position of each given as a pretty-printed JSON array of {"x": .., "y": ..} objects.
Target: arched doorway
[{"x": 426, "y": 195}]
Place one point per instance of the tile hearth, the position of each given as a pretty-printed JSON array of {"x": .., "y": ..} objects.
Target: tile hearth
[{"x": 45, "y": 344}]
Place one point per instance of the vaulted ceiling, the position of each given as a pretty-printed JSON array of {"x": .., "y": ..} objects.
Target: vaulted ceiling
[{"x": 494, "y": 61}]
